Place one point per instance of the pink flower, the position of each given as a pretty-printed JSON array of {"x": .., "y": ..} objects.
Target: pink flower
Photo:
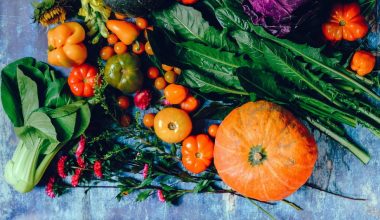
[
  {"x": 81, "y": 162},
  {"x": 50, "y": 187},
  {"x": 98, "y": 169},
  {"x": 61, "y": 167},
  {"x": 165, "y": 102},
  {"x": 161, "y": 196},
  {"x": 75, "y": 178},
  {"x": 145, "y": 171},
  {"x": 142, "y": 99},
  {"x": 81, "y": 146}
]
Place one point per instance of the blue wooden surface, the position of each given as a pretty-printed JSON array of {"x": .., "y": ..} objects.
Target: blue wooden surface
[{"x": 336, "y": 169}]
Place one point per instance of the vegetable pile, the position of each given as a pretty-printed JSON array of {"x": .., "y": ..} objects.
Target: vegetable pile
[
  {"x": 314, "y": 86},
  {"x": 202, "y": 92}
]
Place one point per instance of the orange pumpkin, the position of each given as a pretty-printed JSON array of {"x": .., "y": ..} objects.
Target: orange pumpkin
[{"x": 263, "y": 152}]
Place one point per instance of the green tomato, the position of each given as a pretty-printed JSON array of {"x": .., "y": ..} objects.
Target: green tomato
[{"x": 122, "y": 72}]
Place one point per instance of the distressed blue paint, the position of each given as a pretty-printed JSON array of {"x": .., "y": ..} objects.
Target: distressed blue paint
[{"x": 336, "y": 169}]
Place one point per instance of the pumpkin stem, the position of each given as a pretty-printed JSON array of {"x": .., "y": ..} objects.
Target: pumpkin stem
[
  {"x": 257, "y": 155},
  {"x": 342, "y": 22}
]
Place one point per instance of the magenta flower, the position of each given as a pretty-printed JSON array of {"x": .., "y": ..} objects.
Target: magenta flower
[
  {"x": 145, "y": 171},
  {"x": 98, "y": 169},
  {"x": 61, "y": 167},
  {"x": 50, "y": 187},
  {"x": 161, "y": 196},
  {"x": 81, "y": 146}
]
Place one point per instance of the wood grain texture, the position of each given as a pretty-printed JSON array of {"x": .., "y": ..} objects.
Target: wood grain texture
[{"x": 336, "y": 169}]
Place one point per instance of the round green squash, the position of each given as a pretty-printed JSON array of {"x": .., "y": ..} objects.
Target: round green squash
[{"x": 123, "y": 73}]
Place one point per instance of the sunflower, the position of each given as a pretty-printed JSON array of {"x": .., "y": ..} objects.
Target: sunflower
[{"x": 48, "y": 12}]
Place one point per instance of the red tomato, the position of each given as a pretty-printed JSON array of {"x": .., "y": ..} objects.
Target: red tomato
[
  {"x": 82, "y": 80},
  {"x": 123, "y": 102}
]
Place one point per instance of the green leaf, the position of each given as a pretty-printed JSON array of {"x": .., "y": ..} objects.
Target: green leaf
[
  {"x": 41, "y": 122},
  {"x": 202, "y": 185},
  {"x": 213, "y": 110},
  {"x": 188, "y": 24},
  {"x": 206, "y": 84},
  {"x": 143, "y": 195},
  {"x": 28, "y": 93},
  {"x": 57, "y": 94},
  {"x": 83, "y": 120}
]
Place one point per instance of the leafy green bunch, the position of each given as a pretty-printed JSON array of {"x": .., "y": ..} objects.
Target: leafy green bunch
[
  {"x": 45, "y": 117},
  {"x": 228, "y": 55}
]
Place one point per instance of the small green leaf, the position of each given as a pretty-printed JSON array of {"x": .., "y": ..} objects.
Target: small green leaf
[{"x": 143, "y": 195}]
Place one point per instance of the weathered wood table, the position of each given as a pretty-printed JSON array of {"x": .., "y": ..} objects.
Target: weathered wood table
[{"x": 336, "y": 169}]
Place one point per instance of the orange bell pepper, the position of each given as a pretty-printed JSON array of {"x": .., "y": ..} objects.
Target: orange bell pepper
[
  {"x": 66, "y": 46},
  {"x": 363, "y": 62}
]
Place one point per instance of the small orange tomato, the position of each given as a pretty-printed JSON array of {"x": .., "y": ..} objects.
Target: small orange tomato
[
  {"x": 188, "y": 2},
  {"x": 175, "y": 94},
  {"x": 363, "y": 62},
  {"x": 160, "y": 83},
  {"x": 106, "y": 52},
  {"x": 112, "y": 39},
  {"x": 148, "y": 120},
  {"x": 177, "y": 70},
  {"x": 138, "y": 48},
  {"x": 125, "y": 120},
  {"x": 172, "y": 125},
  {"x": 123, "y": 102},
  {"x": 120, "y": 16},
  {"x": 170, "y": 77},
  {"x": 197, "y": 153},
  {"x": 148, "y": 49},
  {"x": 190, "y": 104},
  {"x": 120, "y": 48},
  {"x": 212, "y": 130},
  {"x": 153, "y": 72},
  {"x": 142, "y": 23},
  {"x": 166, "y": 67},
  {"x": 146, "y": 33}
]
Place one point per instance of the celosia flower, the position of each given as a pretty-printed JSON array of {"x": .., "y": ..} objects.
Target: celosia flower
[
  {"x": 161, "y": 196},
  {"x": 142, "y": 99},
  {"x": 61, "y": 167},
  {"x": 81, "y": 146},
  {"x": 50, "y": 187},
  {"x": 81, "y": 162},
  {"x": 75, "y": 178},
  {"x": 98, "y": 169},
  {"x": 145, "y": 171}
]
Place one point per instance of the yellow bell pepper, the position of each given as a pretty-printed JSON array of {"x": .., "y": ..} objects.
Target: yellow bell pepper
[{"x": 66, "y": 46}]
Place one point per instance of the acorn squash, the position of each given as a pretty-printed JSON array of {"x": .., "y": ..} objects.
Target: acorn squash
[{"x": 137, "y": 7}]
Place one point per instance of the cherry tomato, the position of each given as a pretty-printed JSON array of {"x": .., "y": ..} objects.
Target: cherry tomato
[
  {"x": 172, "y": 125},
  {"x": 160, "y": 83},
  {"x": 112, "y": 39},
  {"x": 166, "y": 67},
  {"x": 170, "y": 77},
  {"x": 120, "y": 16},
  {"x": 197, "y": 153},
  {"x": 120, "y": 48},
  {"x": 153, "y": 72},
  {"x": 148, "y": 49},
  {"x": 138, "y": 48},
  {"x": 190, "y": 104},
  {"x": 125, "y": 120},
  {"x": 175, "y": 94},
  {"x": 148, "y": 120},
  {"x": 123, "y": 102},
  {"x": 189, "y": 2},
  {"x": 212, "y": 130},
  {"x": 177, "y": 70},
  {"x": 106, "y": 52},
  {"x": 142, "y": 23}
]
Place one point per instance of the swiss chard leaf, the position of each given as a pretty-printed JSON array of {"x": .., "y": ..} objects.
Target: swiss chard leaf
[
  {"x": 188, "y": 24},
  {"x": 214, "y": 111}
]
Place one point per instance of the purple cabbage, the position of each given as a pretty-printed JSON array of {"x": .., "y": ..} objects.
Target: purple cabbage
[{"x": 279, "y": 17}]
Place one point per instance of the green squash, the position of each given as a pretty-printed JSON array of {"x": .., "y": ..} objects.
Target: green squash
[
  {"x": 123, "y": 73},
  {"x": 137, "y": 7}
]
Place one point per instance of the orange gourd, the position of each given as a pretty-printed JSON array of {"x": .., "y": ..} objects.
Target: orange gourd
[{"x": 263, "y": 152}]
